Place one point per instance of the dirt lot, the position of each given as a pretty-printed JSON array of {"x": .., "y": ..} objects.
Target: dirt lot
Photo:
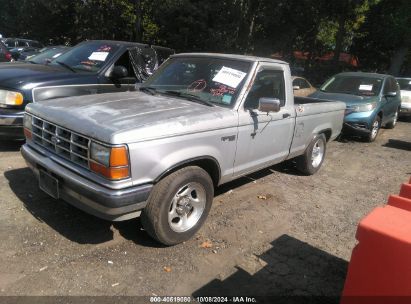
[{"x": 296, "y": 241}]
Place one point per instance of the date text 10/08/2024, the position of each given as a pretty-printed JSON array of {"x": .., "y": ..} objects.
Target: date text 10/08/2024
[{"x": 158, "y": 299}]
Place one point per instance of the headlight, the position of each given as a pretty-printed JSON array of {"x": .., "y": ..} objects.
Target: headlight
[
  {"x": 100, "y": 154},
  {"x": 27, "y": 121},
  {"x": 364, "y": 108},
  {"x": 11, "y": 98},
  {"x": 110, "y": 162}
]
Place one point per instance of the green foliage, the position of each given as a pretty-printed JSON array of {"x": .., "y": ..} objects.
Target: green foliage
[
  {"x": 386, "y": 30},
  {"x": 374, "y": 29}
]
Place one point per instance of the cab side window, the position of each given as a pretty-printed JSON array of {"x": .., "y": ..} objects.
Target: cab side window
[
  {"x": 304, "y": 84},
  {"x": 267, "y": 83}
]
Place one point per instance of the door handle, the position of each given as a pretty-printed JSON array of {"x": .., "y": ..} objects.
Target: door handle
[{"x": 286, "y": 115}]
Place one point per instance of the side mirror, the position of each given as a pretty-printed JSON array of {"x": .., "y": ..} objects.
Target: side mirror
[
  {"x": 296, "y": 87},
  {"x": 269, "y": 104},
  {"x": 390, "y": 94},
  {"x": 119, "y": 71}
]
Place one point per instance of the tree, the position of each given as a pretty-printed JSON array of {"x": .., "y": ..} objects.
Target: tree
[{"x": 384, "y": 41}]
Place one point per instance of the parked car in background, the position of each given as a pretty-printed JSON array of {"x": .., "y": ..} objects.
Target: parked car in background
[
  {"x": 20, "y": 43},
  {"x": 91, "y": 67},
  {"x": 200, "y": 121},
  {"x": 302, "y": 87},
  {"x": 5, "y": 55},
  {"x": 373, "y": 100},
  {"x": 405, "y": 87},
  {"x": 17, "y": 46},
  {"x": 47, "y": 54}
]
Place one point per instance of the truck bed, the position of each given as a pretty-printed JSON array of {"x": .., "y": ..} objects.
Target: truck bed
[
  {"x": 311, "y": 106},
  {"x": 312, "y": 117}
]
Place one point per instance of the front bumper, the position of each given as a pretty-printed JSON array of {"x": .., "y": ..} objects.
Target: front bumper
[
  {"x": 11, "y": 125},
  {"x": 109, "y": 204},
  {"x": 358, "y": 122},
  {"x": 405, "y": 109},
  {"x": 357, "y": 128}
]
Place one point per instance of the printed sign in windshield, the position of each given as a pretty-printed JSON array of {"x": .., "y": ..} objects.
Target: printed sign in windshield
[
  {"x": 210, "y": 80},
  {"x": 87, "y": 57}
]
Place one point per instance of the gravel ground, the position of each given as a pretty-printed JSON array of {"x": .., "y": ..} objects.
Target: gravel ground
[{"x": 296, "y": 239}]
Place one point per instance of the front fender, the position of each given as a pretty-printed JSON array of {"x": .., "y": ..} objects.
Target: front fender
[{"x": 151, "y": 159}]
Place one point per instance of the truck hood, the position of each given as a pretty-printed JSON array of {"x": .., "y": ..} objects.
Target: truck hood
[
  {"x": 350, "y": 100},
  {"x": 132, "y": 116},
  {"x": 16, "y": 75}
]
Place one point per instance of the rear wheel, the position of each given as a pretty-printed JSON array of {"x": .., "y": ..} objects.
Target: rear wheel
[
  {"x": 178, "y": 205},
  {"x": 313, "y": 157},
  {"x": 374, "y": 130}
]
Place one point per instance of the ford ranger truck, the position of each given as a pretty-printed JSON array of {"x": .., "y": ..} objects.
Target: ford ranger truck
[{"x": 200, "y": 121}]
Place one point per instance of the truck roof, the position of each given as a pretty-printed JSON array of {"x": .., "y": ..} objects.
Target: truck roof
[{"x": 232, "y": 56}]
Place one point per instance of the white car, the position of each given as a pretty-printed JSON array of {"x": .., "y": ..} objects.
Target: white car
[
  {"x": 405, "y": 86},
  {"x": 302, "y": 87}
]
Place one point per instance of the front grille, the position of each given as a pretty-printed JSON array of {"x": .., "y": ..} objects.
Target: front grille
[{"x": 61, "y": 141}]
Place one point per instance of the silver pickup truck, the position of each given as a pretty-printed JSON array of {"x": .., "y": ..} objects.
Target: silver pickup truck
[{"x": 200, "y": 121}]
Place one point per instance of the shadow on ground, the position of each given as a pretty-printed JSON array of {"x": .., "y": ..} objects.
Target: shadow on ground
[
  {"x": 83, "y": 228},
  {"x": 398, "y": 144},
  {"x": 287, "y": 167},
  {"x": 295, "y": 272},
  {"x": 405, "y": 118},
  {"x": 10, "y": 146},
  {"x": 67, "y": 220}
]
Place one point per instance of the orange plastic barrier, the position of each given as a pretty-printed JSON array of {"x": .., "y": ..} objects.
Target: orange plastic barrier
[{"x": 380, "y": 266}]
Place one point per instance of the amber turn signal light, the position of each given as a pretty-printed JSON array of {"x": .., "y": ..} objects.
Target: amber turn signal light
[
  {"x": 27, "y": 134},
  {"x": 118, "y": 157},
  {"x": 110, "y": 173}
]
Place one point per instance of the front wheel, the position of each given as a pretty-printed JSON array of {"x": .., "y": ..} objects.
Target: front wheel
[
  {"x": 375, "y": 128},
  {"x": 313, "y": 157},
  {"x": 178, "y": 205},
  {"x": 392, "y": 124}
]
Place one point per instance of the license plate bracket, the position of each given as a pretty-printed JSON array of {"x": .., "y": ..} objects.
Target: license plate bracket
[{"x": 49, "y": 184}]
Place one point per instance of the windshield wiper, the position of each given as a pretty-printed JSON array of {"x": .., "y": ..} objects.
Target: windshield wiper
[
  {"x": 66, "y": 66},
  {"x": 149, "y": 90},
  {"x": 190, "y": 97}
]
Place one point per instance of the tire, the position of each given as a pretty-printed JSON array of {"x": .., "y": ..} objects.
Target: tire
[
  {"x": 374, "y": 129},
  {"x": 174, "y": 213},
  {"x": 312, "y": 159},
  {"x": 393, "y": 123}
]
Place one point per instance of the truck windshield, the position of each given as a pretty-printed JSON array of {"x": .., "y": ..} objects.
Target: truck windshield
[
  {"x": 211, "y": 80},
  {"x": 405, "y": 83},
  {"x": 354, "y": 85},
  {"x": 87, "y": 57}
]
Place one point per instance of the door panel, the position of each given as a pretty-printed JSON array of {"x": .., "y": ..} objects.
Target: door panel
[{"x": 264, "y": 138}]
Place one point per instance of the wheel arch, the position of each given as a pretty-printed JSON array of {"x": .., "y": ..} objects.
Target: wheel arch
[
  {"x": 327, "y": 132},
  {"x": 207, "y": 163}
]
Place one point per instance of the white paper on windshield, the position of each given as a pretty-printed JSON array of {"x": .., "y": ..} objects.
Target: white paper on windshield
[
  {"x": 58, "y": 54},
  {"x": 409, "y": 82},
  {"x": 365, "y": 87},
  {"x": 98, "y": 56},
  {"x": 230, "y": 77}
]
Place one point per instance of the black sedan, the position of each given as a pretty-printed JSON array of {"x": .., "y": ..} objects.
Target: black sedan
[
  {"x": 45, "y": 55},
  {"x": 92, "y": 67}
]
